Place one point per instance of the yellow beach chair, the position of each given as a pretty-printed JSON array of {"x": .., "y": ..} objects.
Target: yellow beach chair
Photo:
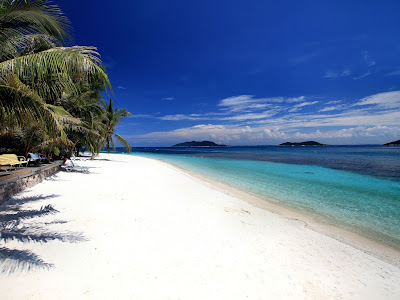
[
  {"x": 5, "y": 164},
  {"x": 14, "y": 160}
]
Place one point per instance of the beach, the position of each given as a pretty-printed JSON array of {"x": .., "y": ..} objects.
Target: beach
[{"x": 138, "y": 228}]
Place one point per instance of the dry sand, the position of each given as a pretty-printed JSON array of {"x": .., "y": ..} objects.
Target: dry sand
[{"x": 136, "y": 228}]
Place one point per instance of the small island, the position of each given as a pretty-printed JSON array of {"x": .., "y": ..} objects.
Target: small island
[
  {"x": 307, "y": 143},
  {"x": 199, "y": 144},
  {"x": 395, "y": 143}
]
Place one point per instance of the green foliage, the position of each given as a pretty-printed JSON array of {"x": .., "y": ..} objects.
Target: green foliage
[
  {"x": 56, "y": 151},
  {"x": 49, "y": 94},
  {"x": 111, "y": 118},
  {"x": 24, "y": 22}
]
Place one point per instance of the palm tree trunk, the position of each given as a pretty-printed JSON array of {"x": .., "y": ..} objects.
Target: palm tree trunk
[
  {"x": 72, "y": 149},
  {"x": 28, "y": 144}
]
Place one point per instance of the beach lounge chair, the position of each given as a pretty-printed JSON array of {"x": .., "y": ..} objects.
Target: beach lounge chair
[
  {"x": 36, "y": 158},
  {"x": 13, "y": 161},
  {"x": 73, "y": 157},
  {"x": 5, "y": 164},
  {"x": 44, "y": 158},
  {"x": 18, "y": 160},
  {"x": 70, "y": 166}
]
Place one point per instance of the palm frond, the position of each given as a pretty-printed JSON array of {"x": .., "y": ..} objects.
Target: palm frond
[
  {"x": 62, "y": 114},
  {"x": 25, "y": 44},
  {"x": 77, "y": 63},
  {"x": 124, "y": 142},
  {"x": 20, "y": 17},
  {"x": 22, "y": 105}
]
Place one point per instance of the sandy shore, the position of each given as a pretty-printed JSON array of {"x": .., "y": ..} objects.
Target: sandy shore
[{"x": 136, "y": 228}]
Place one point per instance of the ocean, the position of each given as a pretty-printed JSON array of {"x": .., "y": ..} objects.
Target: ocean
[{"x": 356, "y": 188}]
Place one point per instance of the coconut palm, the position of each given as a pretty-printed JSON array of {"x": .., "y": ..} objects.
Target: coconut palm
[
  {"x": 26, "y": 24},
  {"x": 112, "y": 116},
  {"x": 33, "y": 72},
  {"x": 85, "y": 106}
]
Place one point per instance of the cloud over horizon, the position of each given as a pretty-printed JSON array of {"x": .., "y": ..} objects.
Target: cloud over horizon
[
  {"x": 247, "y": 120},
  {"x": 260, "y": 135}
]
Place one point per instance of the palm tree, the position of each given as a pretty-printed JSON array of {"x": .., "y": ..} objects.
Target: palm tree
[
  {"x": 87, "y": 107},
  {"x": 111, "y": 118},
  {"x": 25, "y": 24},
  {"x": 34, "y": 67}
]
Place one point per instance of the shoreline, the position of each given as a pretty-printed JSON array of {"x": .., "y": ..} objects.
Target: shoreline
[
  {"x": 138, "y": 228},
  {"x": 377, "y": 248}
]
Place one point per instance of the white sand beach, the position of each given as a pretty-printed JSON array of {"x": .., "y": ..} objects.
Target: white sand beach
[{"x": 137, "y": 228}]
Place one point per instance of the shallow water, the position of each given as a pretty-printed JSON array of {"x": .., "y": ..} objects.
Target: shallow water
[{"x": 357, "y": 188}]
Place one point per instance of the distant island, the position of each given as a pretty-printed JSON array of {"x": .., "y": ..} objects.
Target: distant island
[
  {"x": 395, "y": 143},
  {"x": 199, "y": 144},
  {"x": 308, "y": 143}
]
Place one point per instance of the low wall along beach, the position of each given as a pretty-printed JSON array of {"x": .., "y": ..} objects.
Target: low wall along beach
[{"x": 14, "y": 182}]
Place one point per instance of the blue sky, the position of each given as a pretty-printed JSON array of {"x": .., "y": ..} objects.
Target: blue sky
[{"x": 248, "y": 72}]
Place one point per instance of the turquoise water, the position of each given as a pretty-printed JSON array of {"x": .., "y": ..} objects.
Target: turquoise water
[{"x": 355, "y": 200}]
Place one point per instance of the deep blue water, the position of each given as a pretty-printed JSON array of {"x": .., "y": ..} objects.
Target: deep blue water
[{"x": 355, "y": 187}]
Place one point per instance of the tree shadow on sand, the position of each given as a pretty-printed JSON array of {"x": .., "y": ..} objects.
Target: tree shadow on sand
[{"x": 23, "y": 225}]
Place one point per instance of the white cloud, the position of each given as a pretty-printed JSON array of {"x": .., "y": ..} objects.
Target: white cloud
[
  {"x": 362, "y": 76},
  {"x": 294, "y": 99},
  {"x": 368, "y": 60},
  {"x": 247, "y": 135},
  {"x": 168, "y": 98},
  {"x": 121, "y": 87},
  {"x": 334, "y": 102},
  {"x": 353, "y": 135},
  {"x": 141, "y": 116},
  {"x": 275, "y": 134},
  {"x": 109, "y": 62},
  {"x": 246, "y": 102},
  {"x": 180, "y": 117},
  {"x": 217, "y": 133},
  {"x": 372, "y": 110},
  {"x": 250, "y": 116},
  {"x": 388, "y": 100},
  {"x": 246, "y": 108},
  {"x": 335, "y": 74},
  {"x": 237, "y": 100},
  {"x": 244, "y": 119},
  {"x": 306, "y": 104},
  {"x": 394, "y": 73},
  {"x": 346, "y": 72},
  {"x": 350, "y": 118},
  {"x": 332, "y": 108},
  {"x": 331, "y": 74}
]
